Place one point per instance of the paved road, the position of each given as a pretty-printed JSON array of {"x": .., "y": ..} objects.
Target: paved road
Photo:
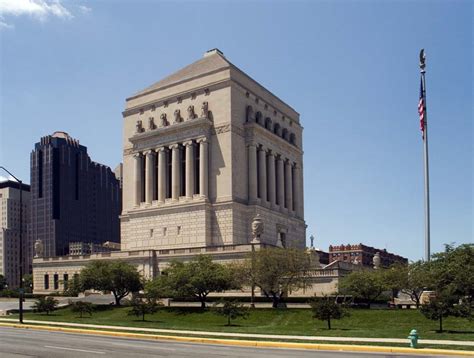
[{"x": 21, "y": 343}]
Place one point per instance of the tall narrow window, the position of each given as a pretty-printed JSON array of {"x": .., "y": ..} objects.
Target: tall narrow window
[
  {"x": 293, "y": 196},
  {"x": 46, "y": 282},
  {"x": 56, "y": 281},
  {"x": 76, "y": 177},
  {"x": 65, "y": 280},
  {"x": 40, "y": 174},
  {"x": 56, "y": 183},
  {"x": 258, "y": 176}
]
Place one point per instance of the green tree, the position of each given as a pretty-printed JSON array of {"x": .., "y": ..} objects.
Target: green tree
[
  {"x": 3, "y": 282},
  {"x": 325, "y": 308},
  {"x": 45, "y": 304},
  {"x": 74, "y": 287},
  {"x": 451, "y": 278},
  {"x": 439, "y": 307},
  {"x": 198, "y": 278},
  {"x": 230, "y": 309},
  {"x": 117, "y": 276},
  {"x": 28, "y": 283},
  {"x": 453, "y": 270},
  {"x": 82, "y": 307},
  {"x": 367, "y": 285},
  {"x": 158, "y": 288},
  {"x": 411, "y": 279},
  {"x": 142, "y": 308},
  {"x": 276, "y": 272}
]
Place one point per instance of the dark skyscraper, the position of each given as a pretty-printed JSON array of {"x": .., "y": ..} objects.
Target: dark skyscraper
[{"x": 73, "y": 199}]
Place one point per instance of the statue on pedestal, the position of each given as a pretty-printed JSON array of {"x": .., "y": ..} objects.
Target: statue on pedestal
[
  {"x": 205, "y": 110},
  {"x": 38, "y": 248},
  {"x": 257, "y": 228},
  {"x": 376, "y": 261}
]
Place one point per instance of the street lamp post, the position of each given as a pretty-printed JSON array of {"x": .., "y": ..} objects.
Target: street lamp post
[{"x": 20, "y": 300}]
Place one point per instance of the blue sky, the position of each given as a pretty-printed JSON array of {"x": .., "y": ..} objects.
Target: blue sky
[{"x": 350, "y": 68}]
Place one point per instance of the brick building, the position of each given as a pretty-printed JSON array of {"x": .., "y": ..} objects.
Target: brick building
[{"x": 363, "y": 254}]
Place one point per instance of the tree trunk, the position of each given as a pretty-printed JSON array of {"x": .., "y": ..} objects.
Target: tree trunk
[
  {"x": 203, "y": 303},
  {"x": 441, "y": 324},
  {"x": 275, "y": 301},
  {"x": 143, "y": 317},
  {"x": 228, "y": 320},
  {"x": 117, "y": 299},
  {"x": 329, "y": 323}
]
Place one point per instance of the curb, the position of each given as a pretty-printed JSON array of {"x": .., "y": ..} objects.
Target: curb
[{"x": 248, "y": 343}]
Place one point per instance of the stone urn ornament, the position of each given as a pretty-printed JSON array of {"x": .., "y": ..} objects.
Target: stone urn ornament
[
  {"x": 376, "y": 261},
  {"x": 257, "y": 228},
  {"x": 38, "y": 248}
]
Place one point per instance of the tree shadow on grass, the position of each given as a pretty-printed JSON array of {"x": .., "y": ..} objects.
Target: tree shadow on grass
[
  {"x": 147, "y": 321},
  {"x": 449, "y": 331},
  {"x": 333, "y": 329},
  {"x": 101, "y": 308},
  {"x": 187, "y": 310}
]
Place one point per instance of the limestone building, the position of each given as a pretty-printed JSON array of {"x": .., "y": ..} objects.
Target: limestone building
[
  {"x": 205, "y": 150},
  {"x": 10, "y": 231}
]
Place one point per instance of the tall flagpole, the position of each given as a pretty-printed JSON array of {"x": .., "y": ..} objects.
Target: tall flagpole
[{"x": 425, "y": 157}]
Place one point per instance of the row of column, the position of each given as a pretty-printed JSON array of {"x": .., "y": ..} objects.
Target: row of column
[
  {"x": 145, "y": 170},
  {"x": 273, "y": 179}
]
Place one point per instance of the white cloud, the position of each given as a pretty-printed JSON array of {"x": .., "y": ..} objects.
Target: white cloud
[
  {"x": 39, "y": 9},
  {"x": 84, "y": 9},
  {"x": 4, "y": 25}
]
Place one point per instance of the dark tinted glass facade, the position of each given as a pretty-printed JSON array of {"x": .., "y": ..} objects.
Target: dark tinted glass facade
[{"x": 73, "y": 199}]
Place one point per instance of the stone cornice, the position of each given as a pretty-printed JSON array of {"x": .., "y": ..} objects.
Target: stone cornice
[{"x": 179, "y": 132}]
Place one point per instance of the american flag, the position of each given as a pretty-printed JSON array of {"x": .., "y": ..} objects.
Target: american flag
[{"x": 421, "y": 110}]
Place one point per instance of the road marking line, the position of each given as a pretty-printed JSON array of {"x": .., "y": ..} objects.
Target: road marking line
[
  {"x": 141, "y": 346},
  {"x": 74, "y": 349}
]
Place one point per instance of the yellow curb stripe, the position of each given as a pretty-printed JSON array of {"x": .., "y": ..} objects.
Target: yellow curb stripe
[{"x": 247, "y": 343}]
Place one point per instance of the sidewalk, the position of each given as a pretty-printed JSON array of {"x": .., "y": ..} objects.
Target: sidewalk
[{"x": 247, "y": 335}]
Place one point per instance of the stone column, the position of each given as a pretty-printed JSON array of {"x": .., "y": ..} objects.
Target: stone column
[
  {"x": 161, "y": 174},
  {"x": 203, "y": 167},
  {"x": 262, "y": 179},
  {"x": 271, "y": 176},
  {"x": 189, "y": 168},
  {"x": 280, "y": 182},
  {"x": 288, "y": 186},
  {"x": 175, "y": 172},
  {"x": 149, "y": 174},
  {"x": 252, "y": 172},
  {"x": 137, "y": 179},
  {"x": 297, "y": 191}
]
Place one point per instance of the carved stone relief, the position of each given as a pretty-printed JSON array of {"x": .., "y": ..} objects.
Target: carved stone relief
[
  {"x": 139, "y": 126},
  {"x": 164, "y": 121},
  {"x": 191, "y": 114},
  {"x": 177, "y": 116},
  {"x": 151, "y": 123},
  {"x": 205, "y": 110}
]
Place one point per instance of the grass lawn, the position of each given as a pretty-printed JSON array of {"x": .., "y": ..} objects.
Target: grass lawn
[{"x": 361, "y": 323}]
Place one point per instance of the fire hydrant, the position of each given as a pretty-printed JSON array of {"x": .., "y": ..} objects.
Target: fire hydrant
[{"x": 413, "y": 337}]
